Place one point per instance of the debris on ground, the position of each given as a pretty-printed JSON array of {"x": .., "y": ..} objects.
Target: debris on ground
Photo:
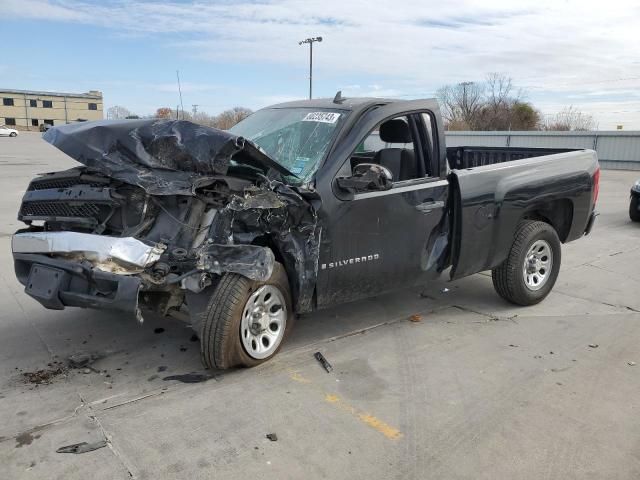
[
  {"x": 445, "y": 290},
  {"x": 26, "y": 438},
  {"x": 272, "y": 436},
  {"x": 631, "y": 364},
  {"x": 86, "y": 371},
  {"x": 158, "y": 330},
  {"x": 162, "y": 368},
  {"x": 189, "y": 378},
  {"x": 194, "y": 338},
  {"x": 323, "y": 361},
  {"x": 44, "y": 376},
  {"x": 513, "y": 345},
  {"x": 82, "y": 359},
  {"x": 415, "y": 318},
  {"x": 593, "y": 345},
  {"x": 82, "y": 447}
]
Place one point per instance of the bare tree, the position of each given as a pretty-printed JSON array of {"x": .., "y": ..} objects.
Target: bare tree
[
  {"x": 223, "y": 121},
  {"x": 163, "y": 112},
  {"x": 499, "y": 91},
  {"x": 228, "y": 118},
  {"x": 494, "y": 104},
  {"x": 570, "y": 119},
  {"x": 117, "y": 112},
  {"x": 461, "y": 103}
]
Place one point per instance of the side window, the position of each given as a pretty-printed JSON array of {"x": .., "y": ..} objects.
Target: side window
[{"x": 390, "y": 144}]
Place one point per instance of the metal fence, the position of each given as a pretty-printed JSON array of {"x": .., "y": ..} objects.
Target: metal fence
[{"x": 617, "y": 150}]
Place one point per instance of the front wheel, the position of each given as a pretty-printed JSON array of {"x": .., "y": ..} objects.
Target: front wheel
[
  {"x": 246, "y": 321},
  {"x": 634, "y": 214},
  {"x": 13, "y": 134},
  {"x": 528, "y": 274}
]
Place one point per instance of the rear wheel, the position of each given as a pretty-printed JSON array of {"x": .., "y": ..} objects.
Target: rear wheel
[
  {"x": 13, "y": 134},
  {"x": 528, "y": 274},
  {"x": 246, "y": 321},
  {"x": 634, "y": 214}
]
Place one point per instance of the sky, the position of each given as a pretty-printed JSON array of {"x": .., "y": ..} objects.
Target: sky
[{"x": 246, "y": 52}]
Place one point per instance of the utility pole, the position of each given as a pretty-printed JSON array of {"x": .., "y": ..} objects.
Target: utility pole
[
  {"x": 26, "y": 113},
  {"x": 180, "y": 91},
  {"x": 310, "y": 41}
]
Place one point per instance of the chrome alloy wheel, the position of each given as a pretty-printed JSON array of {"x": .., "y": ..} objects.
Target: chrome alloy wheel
[
  {"x": 537, "y": 265},
  {"x": 264, "y": 320}
]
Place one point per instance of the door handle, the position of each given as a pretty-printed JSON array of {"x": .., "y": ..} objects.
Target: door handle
[{"x": 428, "y": 207}]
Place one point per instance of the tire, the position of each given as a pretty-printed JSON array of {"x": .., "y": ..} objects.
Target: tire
[
  {"x": 221, "y": 342},
  {"x": 513, "y": 280},
  {"x": 13, "y": 134},
  {"x": 634, "y": 214}
]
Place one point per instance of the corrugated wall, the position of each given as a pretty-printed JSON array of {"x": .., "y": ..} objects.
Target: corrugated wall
[{"x": 616, "y": 150}]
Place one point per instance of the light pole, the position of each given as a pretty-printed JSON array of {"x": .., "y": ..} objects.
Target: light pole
[{"x": 310, "y": 42}]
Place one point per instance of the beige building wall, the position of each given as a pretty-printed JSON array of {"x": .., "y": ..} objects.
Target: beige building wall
[{"x": 31, "y": 109}]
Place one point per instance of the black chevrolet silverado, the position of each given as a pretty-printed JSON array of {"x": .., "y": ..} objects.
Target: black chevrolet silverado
[{"x": 300, "y": 206}]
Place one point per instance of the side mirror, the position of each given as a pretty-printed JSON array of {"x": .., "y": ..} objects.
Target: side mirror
[{"x": 367, "y": 177}]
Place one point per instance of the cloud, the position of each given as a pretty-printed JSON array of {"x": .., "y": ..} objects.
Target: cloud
[{"x": 549, "y": 47}]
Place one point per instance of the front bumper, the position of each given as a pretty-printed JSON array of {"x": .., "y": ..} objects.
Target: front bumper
[
  {"x": 57, "y": 284},
  {"x": 72, "y": 269},
  {"x": 130, "y": 254}
]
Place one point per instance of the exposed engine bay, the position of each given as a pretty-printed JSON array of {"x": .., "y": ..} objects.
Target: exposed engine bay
[{"x": 157, "y": 213}]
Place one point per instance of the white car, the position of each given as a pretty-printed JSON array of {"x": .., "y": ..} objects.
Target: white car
[{"x": 7, "y": 132}]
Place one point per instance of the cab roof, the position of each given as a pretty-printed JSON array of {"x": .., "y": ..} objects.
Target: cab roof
[{"x": 347, "y": 104}]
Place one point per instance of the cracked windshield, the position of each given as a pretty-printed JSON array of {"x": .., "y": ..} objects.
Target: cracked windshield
[{"x": 296, "y": 138}]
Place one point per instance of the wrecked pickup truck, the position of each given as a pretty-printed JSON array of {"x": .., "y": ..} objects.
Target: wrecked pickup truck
[{"x": 300, "y": 206}]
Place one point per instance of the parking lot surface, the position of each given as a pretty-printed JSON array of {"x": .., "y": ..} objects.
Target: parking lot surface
[{"x": 472, "y": 388}]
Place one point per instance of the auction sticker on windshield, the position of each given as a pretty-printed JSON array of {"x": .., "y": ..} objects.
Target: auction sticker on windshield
[{"x": 323, "y": 117}]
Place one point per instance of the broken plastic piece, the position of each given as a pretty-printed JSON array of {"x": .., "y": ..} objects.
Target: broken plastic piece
[
  {"x": 97, "y": 248},
  {"x": 272, "y": 436},
  {"x": 82, "y": 447},
  {"x": 323, "y": 361},
  {"x": 252, "y": 261}
]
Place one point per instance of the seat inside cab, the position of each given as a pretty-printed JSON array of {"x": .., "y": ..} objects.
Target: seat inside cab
[{"x": 390, "y": 145}]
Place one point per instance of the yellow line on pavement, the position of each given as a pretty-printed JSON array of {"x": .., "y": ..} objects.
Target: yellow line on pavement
[{"x": 366, "y": 418}]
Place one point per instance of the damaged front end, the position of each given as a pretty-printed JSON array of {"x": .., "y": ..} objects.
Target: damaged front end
[{"x": 159, "y": 211}]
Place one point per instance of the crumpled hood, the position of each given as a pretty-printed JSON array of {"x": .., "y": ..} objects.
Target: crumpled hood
[{"x": 164, "y": 157}]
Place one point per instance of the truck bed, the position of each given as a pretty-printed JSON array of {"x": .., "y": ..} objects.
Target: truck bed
[
  {"x": 489, "y": 202},
  {"x": 468, "y": 157}
]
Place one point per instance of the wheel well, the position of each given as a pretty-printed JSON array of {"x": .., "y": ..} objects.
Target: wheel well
[
  {"x": 557, "y": 213},
  {"x": 267, "y": 241}
]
